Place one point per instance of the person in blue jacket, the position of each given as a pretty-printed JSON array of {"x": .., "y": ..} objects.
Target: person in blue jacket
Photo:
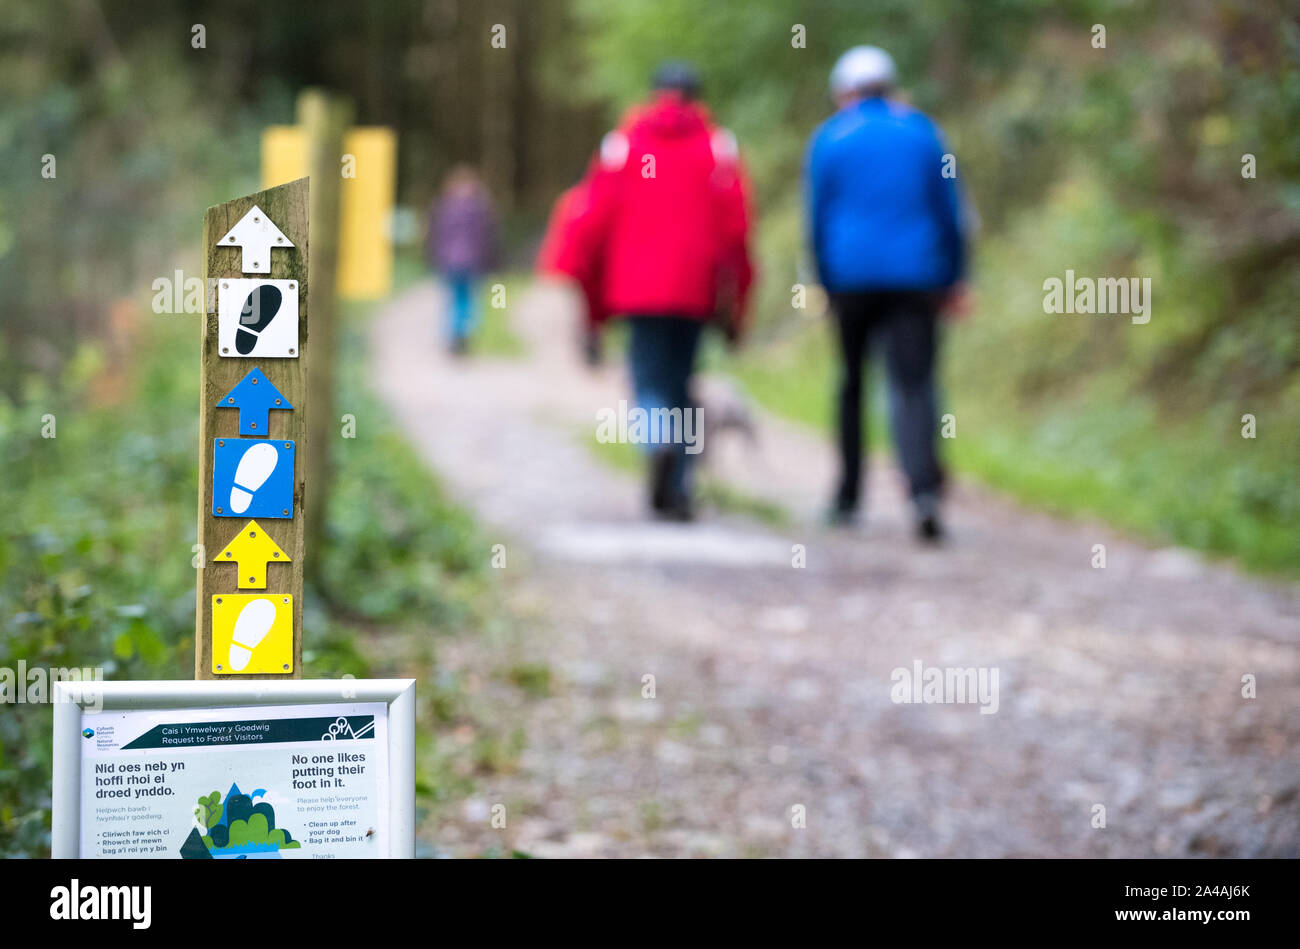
[{"x": 885, "y": 222}]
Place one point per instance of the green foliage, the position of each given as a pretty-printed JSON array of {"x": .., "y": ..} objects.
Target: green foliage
[
  {"x": 383, "y": 522},
  {"x": 95, "y": 552},
  {"x": 396, "y": 549},
  {"x": 86, "y": 225},
  {"x": 533, "y": 678},
  {"x": 211, "y": 808},
  {"x": 253, "y": 832}
]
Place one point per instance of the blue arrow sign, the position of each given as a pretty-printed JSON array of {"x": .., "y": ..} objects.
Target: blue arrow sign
[{"x": 254, "y": 397}]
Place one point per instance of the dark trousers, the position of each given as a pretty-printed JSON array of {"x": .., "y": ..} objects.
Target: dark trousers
[
  {"x": 661, "y": 355},
  {"x": 904, "y": 324}
]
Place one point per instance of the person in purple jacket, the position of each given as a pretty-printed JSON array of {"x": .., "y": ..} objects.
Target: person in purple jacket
[{"x": 462, "y": 245}]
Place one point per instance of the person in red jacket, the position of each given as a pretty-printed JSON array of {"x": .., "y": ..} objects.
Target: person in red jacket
[{"x": 665, "y": 231}]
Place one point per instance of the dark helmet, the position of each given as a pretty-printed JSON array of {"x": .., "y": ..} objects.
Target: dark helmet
[{"x": 678, "y": 76}]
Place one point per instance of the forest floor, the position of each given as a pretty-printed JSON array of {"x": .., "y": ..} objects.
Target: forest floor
[{"x": 771, "y": 730}]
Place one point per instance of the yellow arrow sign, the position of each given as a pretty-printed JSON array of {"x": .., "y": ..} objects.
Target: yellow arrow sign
[{"x": 251, "y": 550}]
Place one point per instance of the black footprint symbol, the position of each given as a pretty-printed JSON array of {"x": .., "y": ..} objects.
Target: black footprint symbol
[{"x": 259, "y": 310}]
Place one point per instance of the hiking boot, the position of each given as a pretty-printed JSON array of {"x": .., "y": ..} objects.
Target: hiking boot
[
  {"x": 929, "y": 528},
  {"x": 680, "y": 511},
  {"x": 662, "y": 466}
]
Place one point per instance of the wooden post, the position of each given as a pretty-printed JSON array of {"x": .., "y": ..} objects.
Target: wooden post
[
  {"x": 286, "y": 207},
  {"x": 324, "y": 119}
]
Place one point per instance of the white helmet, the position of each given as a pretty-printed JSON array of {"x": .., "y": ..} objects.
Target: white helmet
[{"x": 860, "y": 68}]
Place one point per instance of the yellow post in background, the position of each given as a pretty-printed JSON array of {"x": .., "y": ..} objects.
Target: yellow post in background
[
  {"x": 368, "y": 179},
  {"x": 366, "y": 244},
  {"x": 284, "y": 153}
]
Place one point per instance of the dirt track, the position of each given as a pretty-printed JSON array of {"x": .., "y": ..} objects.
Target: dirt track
[{"x": 1118, "y": 687}]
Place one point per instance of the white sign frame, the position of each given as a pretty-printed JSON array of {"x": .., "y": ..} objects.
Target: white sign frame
[
  {"x": 279, "y": 340},
  {"x": 70, "y": 698}
]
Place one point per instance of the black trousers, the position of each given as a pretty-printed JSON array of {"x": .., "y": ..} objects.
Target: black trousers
[{"x": 904, "y": 324}]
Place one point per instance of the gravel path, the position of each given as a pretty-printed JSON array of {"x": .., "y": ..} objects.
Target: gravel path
[{"x": 771, "y": 731}]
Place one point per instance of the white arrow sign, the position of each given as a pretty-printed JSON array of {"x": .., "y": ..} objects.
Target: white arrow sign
[{"x": 256, "y": 235}]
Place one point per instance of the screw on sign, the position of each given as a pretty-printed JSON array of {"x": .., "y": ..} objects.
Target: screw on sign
[{"x": 251, "y": 480}]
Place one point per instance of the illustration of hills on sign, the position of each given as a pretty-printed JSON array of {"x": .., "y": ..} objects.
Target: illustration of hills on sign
[
  {"x": 256, "y": 236},
  {"x": 251, "y": 550},
  {"x": 254, "y": 397}
]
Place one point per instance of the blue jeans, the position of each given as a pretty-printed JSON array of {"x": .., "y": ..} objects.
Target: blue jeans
[
  {"x": 463, "y": 312},
  {"x": 661, "y": 354}
]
